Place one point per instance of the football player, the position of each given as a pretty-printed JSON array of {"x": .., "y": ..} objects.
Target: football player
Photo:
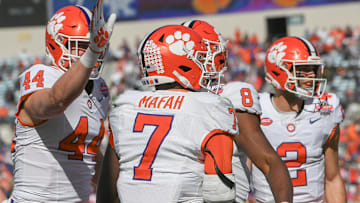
[
  {"x": 246, "y": 104},
  {"x": 301, "y": 122},
  {"x": 61, "y": 113},
  {"x": 175, "y": 143}
]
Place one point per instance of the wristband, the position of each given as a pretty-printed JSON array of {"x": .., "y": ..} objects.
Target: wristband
[{"x": 89, "y": 58}]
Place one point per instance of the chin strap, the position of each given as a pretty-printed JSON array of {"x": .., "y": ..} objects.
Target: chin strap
[{"x": 221, "y": 175}]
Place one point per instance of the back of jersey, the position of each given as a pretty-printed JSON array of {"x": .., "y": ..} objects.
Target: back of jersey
[{"x": 158, "y": 137}]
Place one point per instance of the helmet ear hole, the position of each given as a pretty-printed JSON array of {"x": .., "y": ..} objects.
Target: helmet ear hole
[
  {"x": 161, "y": 38},
  {"x": 184, "y": 68},
  {"x": 275, "y": 73},
  {"x": 51, "y": 46}
]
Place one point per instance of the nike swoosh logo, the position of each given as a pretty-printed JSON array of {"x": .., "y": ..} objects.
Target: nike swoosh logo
[{"x": 313, "y": 121}]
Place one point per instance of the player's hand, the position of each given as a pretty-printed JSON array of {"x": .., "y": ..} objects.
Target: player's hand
[{"x": 100, "y": 32}]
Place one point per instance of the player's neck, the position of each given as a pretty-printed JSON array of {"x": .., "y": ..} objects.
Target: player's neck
[
  {"x": 287, "y": 102},
  {"x": 172, "y": 87}
]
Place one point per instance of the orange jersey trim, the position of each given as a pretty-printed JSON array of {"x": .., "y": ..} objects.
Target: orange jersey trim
[
  {"x": 111, "y": 138},
  {"x": 22, "y": 99},
  {"x": 333, "y": 132}
]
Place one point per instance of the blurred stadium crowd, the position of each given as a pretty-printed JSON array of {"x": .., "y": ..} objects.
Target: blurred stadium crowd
[{"x": 339, "y": 47}]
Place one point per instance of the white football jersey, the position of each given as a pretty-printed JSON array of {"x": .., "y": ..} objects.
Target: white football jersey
[
  {"x": 244, "y": 97},
  {"x": 54, "y": 161},
  {"x": 159, "y": 137},
  {"x": 299, "y": 140}
]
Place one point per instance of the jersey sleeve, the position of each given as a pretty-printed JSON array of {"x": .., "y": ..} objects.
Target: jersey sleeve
[
  {"x": 38, "y": 77},
  {"x": 223, "y": 118},
  {"x": 338, "y": 114},
  {"x": 243, "y": 96}
]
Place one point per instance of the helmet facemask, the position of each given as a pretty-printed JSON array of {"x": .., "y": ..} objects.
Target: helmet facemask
[
  {"x": 215, "y": 64},
  {"x": 297, "y": 80},
  {"x": 217, "y": 52},
  {"x": 71, "y": 47},
  {"x": 210, "y": 77}
]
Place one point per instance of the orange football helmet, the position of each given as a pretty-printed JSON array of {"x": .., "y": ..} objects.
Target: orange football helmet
[
  {"x": 215, "y": 42},
  {"x": 174, "y": 53},
  {"x": 67, "y": 30},
  {"x": 282, "y": 59}
]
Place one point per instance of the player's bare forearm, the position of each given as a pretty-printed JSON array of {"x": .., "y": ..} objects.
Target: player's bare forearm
[
  {"x": 70, "y": 85},
  {"x": 107, "y": 188},
  {"x": 98, "y": 159},
  {"x": 261, "y": 153},
  {"x": 335, "y": 190},
  {"x": 334, "y": 185},
  {"x": 279, "y": 181}
]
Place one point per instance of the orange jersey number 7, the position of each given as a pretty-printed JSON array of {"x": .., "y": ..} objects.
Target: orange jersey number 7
[{"x": 163, "y": 125}]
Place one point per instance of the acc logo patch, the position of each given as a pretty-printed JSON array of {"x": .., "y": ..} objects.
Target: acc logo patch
[
  {"x": 266, "y": 121},
  {"x": 324, "y": 108}
]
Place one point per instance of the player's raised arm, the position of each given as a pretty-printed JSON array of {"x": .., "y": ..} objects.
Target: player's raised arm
[
  {"x": 49, "y": 102},
  {"x": 59, "y": 124}
]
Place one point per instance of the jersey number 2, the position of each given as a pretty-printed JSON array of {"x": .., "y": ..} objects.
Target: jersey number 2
[
  {"x": 300, "y": 149},
  {"x": 163, "y": 125}
]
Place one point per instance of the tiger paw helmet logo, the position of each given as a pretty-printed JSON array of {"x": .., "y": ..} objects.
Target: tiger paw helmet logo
[
  {"x": 178, "y": 42},
  {"x": 55, "y": 24},
  {"x": 276, "y": 53}
]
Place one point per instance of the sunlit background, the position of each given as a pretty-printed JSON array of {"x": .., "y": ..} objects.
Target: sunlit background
[{"x": 249, "y": 25}]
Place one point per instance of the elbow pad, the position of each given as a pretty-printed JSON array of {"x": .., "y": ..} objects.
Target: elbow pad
[{"x": 214, "y": 190}]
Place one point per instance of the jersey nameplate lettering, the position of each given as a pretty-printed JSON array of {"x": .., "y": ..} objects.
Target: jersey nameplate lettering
[{"x": 165, "y": 102}]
